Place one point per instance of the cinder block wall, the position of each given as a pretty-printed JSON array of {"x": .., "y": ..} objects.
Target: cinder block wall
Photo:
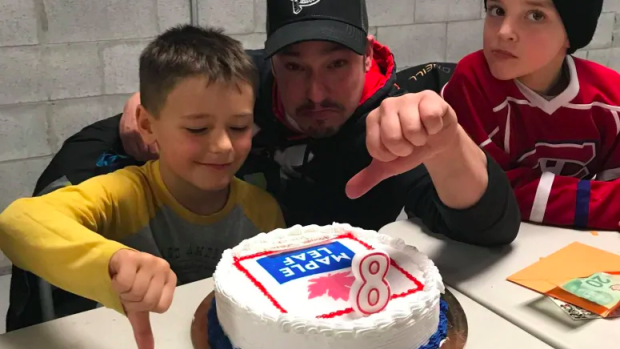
[
  {"x": 63, "y": 65},
  {"x": 67, "y": 63}
]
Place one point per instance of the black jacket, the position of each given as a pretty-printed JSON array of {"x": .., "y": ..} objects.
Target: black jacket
[
  {"x": 308, "y": 176},
  {"x": 310, "y": 188}
]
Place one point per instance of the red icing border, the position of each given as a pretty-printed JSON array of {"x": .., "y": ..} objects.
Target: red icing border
[
  {"x": 261, "y": 287},
  {"x": 258, "y": 284}
]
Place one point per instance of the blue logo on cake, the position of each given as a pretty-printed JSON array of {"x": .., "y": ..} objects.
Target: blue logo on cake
[{"x": 314, "y": 260}]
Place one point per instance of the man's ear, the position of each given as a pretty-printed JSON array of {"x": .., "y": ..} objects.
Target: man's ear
[
  {"x": 145, "y": 122},
  {"x": 368, "y": 55}
]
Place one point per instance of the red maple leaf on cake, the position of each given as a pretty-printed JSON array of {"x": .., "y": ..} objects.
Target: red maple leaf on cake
[{"x": 337, "y": 286}]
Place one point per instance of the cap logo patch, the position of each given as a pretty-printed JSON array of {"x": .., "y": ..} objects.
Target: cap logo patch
[{"x": 298, "y": 5}]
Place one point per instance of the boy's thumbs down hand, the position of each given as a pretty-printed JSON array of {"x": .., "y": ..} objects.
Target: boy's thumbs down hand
[{"x": 145, "y": 284}]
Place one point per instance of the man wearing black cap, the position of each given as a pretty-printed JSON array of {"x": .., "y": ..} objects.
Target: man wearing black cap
[
  {"x": 551, "y": 120},
  {"x": 325, "y": 82},
  {"x": 335, "y": 139}
]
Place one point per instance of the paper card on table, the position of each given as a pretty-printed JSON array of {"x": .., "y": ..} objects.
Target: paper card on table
[{"x": 573, "y": 261}]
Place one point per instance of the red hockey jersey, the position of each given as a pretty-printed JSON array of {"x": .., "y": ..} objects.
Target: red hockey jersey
[{"x": 561, "y": 155}]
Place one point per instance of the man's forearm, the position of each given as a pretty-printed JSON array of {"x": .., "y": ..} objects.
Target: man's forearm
[
  {"x": 460, "y": 174},
  {"x": 477, "y": 204}
]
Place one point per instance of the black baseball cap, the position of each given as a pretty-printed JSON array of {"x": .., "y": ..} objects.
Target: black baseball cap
[{"x": 344, "y": 22}]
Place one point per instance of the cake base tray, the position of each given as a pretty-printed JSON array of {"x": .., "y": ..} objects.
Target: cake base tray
[{"x": 456, "y": 338}]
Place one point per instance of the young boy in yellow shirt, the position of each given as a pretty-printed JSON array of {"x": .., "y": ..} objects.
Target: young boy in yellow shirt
[{"x": 126, "y": 239}]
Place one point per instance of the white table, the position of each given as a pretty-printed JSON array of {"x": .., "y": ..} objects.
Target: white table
[
  {"x": 480, "y": 274},
  {"x": 105, "y": 329}
]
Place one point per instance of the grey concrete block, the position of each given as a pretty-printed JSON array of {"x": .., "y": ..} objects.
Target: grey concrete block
[
  {"x": 23, "y": 76},
  {"x": 235, "y": 16},
  {"x": 603, "y": 35},
  {"x": 463, "y": 39},
  {"x": 581, "y": 54},
  {"x": 614, "y": 59},
  {"x": 71, "y": 115},
  {"x": 415, "y": 44},
  {"x": 79, "y": 20},
  {"x": 132, "y": 19},
  {"x": 114, "y": 104},
  {"x": 76, "y": 20},
  {"x": 19, "y": 178},
  {"x": 372, "y": 31},
  {"x": 390, "y": 12},
  {"x": 120, "y": 67},
  {"x": 18, "y": 23},
  {"x": 5, "y": 265},
  {"x": 23, "y": 131},
  {"x": 75, "y": 70},
  {"x": 68, "y": 117},
  {"x": 260, "y": 16},
  {"x": 172, "y": 12},
  {"x": 611, "y": 6},
  {"x": 600, "y": 56},
  {"x": 616, "y": 33},
  {"x": 251, "y": 41},
  {"x": 447, "y": 10}
]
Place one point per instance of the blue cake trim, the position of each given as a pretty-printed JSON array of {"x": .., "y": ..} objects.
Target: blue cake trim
[
  {"x": 218, "y": 339},
  {"x": 442, "y": 330}
]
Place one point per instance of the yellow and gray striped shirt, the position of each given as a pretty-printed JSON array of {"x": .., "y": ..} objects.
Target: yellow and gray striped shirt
[{"x": 68, "y": 236}]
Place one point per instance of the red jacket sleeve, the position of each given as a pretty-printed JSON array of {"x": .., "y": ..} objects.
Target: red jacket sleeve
[{"x": 542, "y": 197}]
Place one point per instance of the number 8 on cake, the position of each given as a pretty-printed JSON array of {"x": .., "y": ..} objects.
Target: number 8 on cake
[{"x": 370, "y": 292}]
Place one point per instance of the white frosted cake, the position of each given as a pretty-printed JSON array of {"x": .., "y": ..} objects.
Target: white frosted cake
[{"x": 327, "y": 287}]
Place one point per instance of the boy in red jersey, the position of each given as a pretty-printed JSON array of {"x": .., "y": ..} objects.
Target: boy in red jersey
[{"x": 549, "y": 119}]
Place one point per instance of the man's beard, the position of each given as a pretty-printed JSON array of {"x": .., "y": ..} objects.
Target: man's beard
[{"x": 321, "y": 132}]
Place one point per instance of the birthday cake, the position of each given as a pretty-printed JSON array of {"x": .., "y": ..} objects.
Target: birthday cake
[{"x": 326, "y": 287}]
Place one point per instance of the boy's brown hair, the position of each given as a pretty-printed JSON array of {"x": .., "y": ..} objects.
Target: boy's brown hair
[{"x": 185, "y": 51}]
